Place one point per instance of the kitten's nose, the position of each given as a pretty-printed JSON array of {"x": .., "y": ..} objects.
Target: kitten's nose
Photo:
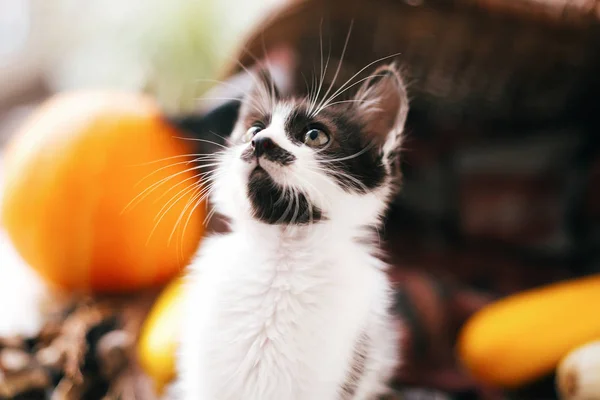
[{"x": 261, "y": 145}]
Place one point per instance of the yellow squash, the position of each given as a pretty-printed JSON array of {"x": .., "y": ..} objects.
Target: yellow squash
[
  {"x": 523, "y": 337},
  {"x": 159, "y": 336}
]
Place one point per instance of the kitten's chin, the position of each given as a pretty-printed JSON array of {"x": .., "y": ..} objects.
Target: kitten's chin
[
  {"x": 264, "y": 169},
  {"x": 275, "y": 206},
  {"x": 258, "y": 172}
]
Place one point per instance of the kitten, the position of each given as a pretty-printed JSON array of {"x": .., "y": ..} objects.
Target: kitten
[{"x": 293, "y": 303}]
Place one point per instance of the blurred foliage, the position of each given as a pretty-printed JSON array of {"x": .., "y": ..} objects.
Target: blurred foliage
[
  {"x": 184, "y": 53},
  {"x": 171, "y": 48}
]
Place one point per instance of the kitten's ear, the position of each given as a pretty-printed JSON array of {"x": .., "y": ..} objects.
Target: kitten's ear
[
  {"x": 261, "y": 87},
  {"x": 262, "y": 93},
  {"x": 265, "y": 81},
  {"x": 383, "y": 105}
]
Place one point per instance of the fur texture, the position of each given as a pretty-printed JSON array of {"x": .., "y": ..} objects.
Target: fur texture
[{"x": 294, "y": 303}]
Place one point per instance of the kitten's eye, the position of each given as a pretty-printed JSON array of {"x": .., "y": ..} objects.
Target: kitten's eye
[
  {"x": 254, "y": 129},
  {"x": 316, "y": 138}
]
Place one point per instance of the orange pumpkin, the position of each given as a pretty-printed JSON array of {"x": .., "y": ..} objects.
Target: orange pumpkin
[{"x": 98, "y": 192}]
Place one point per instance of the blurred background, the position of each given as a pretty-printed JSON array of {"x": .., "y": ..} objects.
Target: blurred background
[
  {"x": 501, "y": 170},
  {"x": 167, "y": 46},
  {"x": 172, "y": 49}
]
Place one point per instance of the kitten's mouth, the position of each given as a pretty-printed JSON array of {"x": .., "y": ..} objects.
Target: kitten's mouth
[
  {"x": 262, "y": 170},
  {"x": 258, "y": 170},
  {"x": 274, "y": 205}
]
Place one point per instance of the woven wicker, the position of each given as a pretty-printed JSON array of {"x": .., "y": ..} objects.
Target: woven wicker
[
  {"x": 503, "y": 159},
  {"x": 484, "y": 61}
]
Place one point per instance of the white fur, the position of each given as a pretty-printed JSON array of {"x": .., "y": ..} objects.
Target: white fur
[{"x": 275, "y": 312}]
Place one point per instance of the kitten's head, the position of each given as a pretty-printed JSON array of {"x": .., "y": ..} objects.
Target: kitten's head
[{"x": 298, "y": 161}]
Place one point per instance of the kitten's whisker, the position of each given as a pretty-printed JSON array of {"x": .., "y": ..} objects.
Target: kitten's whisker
[
  {"x": 309, "y": 184},
  {"x": 164, "y": 210},
  {"x": 200, "y": 140},
  {"x": 361, "y": 71},
  {"x": 339, "y": 67},
  {"x": 187, "y": 206},
  {"x": 378, "y": 234},
  {"x": 318, "y": 172},
  {"x": 206, "y": 159},
  {"x": 267, "y": 61},
  {"x": 209, "y": 216},
  {"x": 287, "y": 209},
  {"x": 254, "y": 78},
  {"x": 350, "y": 157},
  {"x": 357, "y": 182},
  {"x": 341, "y": 174},
  {"x": 196, "y": 201},
  {"x": 180, "y": 194},
  {"x": 258, "y": 106},
  {"x": 182, "y": 236},
  {"x": 269, "y": 67},
  {"x": 165, "y": 167},
  {"x": 297, "y": 203},
  {"x": 160, "y": 169},
  {"x": 308, "y": 89},
  {"x": 341, "y": 102},
  {"x": 169, "y": 158},
  {"x": 354, "y": 183},
  {"x": 336, "y": 95},
  {"x": 198, "y": 198},
  {"x": 181, "y": 239},
  {"x": 306, "y": 195},
  {"x": 313, "y": 91},
  {"x": 281, "y": 197},
  {"x": 198, "y": 176},
  {"x": 323, "y": 69},
  {"x": 208, "y": 156},
  {"x": 146, "y": 192},
  {"x": 247, "y": 51},
  {"x": 310, "y": 95},
  {"x": 290, "y": 205},
  {"x": 226, "y": 140},
  {"x": 208, "y": 184},
  {"x": 207, "y": 193}
]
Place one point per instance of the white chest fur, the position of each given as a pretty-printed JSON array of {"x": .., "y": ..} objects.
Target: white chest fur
[{"x": 270, "y": 317}]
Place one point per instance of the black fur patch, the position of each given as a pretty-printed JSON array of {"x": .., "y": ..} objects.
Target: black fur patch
[
  {"x": 296, "y": 125},
  {"x": 348, "y": 158},
  {"x": 214, "y": 126},
  {"x": 272, "y": 206},
  {"x": 354, "y": 156}
]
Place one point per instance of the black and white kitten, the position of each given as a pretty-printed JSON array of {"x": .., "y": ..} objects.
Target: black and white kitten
[{"x": 293, "y": 303}]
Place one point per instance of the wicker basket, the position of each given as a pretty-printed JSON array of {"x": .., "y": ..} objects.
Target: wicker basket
[
  {"x": 502, "y": 166},
  {"x": 519, "y": 61}
]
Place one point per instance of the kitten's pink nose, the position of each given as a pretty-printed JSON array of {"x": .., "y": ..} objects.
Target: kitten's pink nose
[{"x": 261, "y": 145}]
